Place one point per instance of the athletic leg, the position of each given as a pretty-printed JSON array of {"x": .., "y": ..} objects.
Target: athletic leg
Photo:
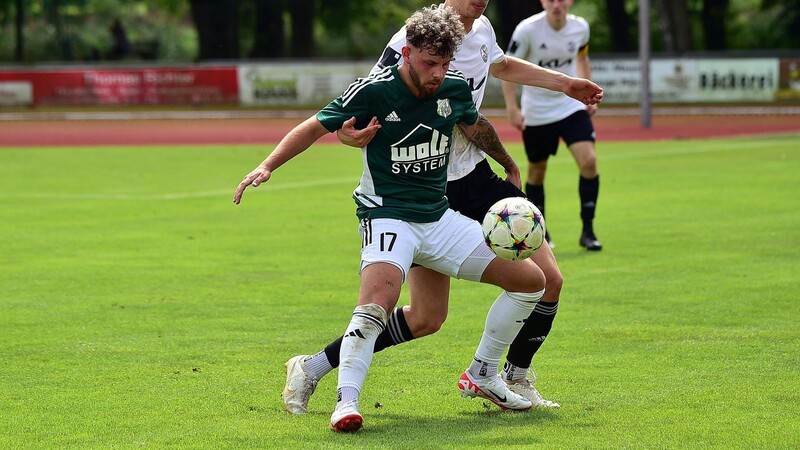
[
  {"x": 426, "y": 312},
  {"x": 537, "y": 327},
  {"x": 429, "y": 294},
  {"x": 517, "y": 370},
  {"x": 378, "y": 292},
  {"x": 540, "y": 143},
  {"x": 534, "y": 189},
  {"x": 588, "y": 189},
  {"x": 524, "y": 285}
]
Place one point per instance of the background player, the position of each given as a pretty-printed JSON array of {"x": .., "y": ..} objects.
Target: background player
[{"x": 558, "y": 40}]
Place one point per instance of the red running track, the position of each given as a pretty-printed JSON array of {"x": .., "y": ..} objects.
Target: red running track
[{"x": 33, "y": 132}]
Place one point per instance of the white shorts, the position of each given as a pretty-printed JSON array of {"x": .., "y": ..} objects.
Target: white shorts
[{"x": 453, "y": 246}]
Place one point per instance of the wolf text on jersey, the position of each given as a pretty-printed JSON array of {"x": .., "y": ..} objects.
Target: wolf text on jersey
[{"x": 423, "y": 150}]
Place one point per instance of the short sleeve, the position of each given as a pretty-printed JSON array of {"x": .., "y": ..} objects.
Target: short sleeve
[
  {"x": 496, "y": 53},
  {"x": 586, "y": 33},
  {"x": 392, "y": 55},
  {"x": 352, "y": 103},
  {"x": 518, "y": 47}
]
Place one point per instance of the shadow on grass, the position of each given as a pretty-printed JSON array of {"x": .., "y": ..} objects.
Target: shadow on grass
[{"x": 479, "y": 428}]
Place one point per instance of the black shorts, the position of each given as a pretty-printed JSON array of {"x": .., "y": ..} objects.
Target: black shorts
[
  {"x": 542, "y": 141},
  {"x": 475, "y": 193}
]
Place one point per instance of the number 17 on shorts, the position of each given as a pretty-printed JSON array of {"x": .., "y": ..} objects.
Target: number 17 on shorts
[{"x": 387, "y": 241}]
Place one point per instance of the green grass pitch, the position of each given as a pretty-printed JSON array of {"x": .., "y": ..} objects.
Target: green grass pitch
[{"x": 139, "y": 308}]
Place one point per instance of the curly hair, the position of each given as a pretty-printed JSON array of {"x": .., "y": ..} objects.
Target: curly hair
[{"x": 438, "y": 30}]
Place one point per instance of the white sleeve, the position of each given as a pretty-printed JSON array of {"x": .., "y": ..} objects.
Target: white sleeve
[
  {"x": 392, "y": 54},
  {"x": 518, "y": 47},
  {"x": 587, "y": 35},
  {"x": 496, "y": 53}
]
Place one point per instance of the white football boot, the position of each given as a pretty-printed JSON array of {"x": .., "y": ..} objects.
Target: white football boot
[
  {"x": 299, "y": 386},
  {"x": 494, "y": 390},
  {"x": 347, "y": 419},
  {"x": 524, "y": 387}
]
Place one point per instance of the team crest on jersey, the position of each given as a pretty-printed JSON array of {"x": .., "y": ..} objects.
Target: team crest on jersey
[
  {"x": 443, "y": 107},
  {"x": 571, "y": 47},
  {"x": 484, "y": 52}
]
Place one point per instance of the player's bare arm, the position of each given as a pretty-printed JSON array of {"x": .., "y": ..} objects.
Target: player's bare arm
[
  {"x": 294, "y": 143},
  {"x": 349, "y": 135},
  {"x": 583, "y": 68},
  {"x": 515, "y": 117},
  {"x": 485, "y": 136},
  {"x": 519, "y": 71}
]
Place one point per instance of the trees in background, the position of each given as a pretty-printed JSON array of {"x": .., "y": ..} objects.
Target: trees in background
[
  {"x": 674, "y": 25},
  {"x": 680, "y": 26},
  {"x": 192, "y": 30},
  {"x": 217, "y": 24},
  {"x": 79, "y": 30},
  {"x": 713, "y": 20},
  {"x": 622, "y": 28}
]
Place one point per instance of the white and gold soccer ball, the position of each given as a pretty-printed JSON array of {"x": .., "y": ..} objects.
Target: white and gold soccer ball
[{"x": 513, "y": 228}]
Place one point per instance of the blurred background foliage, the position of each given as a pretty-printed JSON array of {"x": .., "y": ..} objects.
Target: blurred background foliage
[{"x": 43, "y": 31}]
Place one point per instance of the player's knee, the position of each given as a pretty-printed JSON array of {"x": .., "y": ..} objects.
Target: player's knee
[
  {"x": 553, "y": 284},
  {"x": 426, "y": 325},
  {"x": 533, "y": 282},
  {"x": 589, "y": 164},
  {"x": 536, "y": 175}
]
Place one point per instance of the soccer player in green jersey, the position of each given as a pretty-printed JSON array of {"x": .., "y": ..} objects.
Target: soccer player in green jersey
[
  {"x": 472, "y": 187},
  {"x": 403, "y": 211}
]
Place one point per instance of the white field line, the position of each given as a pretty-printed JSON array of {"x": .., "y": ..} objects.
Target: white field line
[
  {"x": 177, "y": 196},
  {"x": 727, "y": 145}
]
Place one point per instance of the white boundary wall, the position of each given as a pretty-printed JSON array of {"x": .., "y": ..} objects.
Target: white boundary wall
[
  {"x": 312, "y": 84},
  {"x": 672, "y": 81},
  {"x": 690, "y": 80}
]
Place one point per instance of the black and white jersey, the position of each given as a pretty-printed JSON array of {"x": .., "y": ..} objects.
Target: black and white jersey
[{"x": 536, "y": 41}]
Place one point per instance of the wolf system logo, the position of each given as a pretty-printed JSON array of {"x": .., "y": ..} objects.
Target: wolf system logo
[{"x": 422, "y": 150}]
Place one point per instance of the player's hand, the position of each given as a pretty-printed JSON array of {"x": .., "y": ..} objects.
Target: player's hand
[
  {"x": 516, "y": 119},
  {"x": 259, "y": 175},
  {"x": 513, "y": 177},
  {"x": 348, "y": 135},
  {"x": 591, "y": 109},
  {"x": 584, "y": 91}
]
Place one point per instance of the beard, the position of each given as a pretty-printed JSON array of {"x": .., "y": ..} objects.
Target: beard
[{"x": 427, "y": 89}]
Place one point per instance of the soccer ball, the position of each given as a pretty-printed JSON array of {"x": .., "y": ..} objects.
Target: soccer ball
[{"x": 513, "y": 228}]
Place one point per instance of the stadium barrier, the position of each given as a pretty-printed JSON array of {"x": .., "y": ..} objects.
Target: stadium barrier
[
  {"x": 294, "y": 85},
  {"x": 111, "y": 86}
]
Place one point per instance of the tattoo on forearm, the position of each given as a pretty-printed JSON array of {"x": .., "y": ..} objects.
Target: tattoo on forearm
[{"x": 484, "y": 135}]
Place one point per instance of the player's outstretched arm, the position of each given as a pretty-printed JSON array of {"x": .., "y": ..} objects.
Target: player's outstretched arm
[
  {"x": 519, "y": 71},
  {"x": 515, "y": 117},
  {"x": 295, "y": 142},
  {"x": 485, "y": 136},
  {"x": 584, "y": 70},
  {"x": 349, "y": 135},
  {"x": 584, "y": 90}
]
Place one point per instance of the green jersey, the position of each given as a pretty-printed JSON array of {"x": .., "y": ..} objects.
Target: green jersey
[{"x": 405, "y": 164}]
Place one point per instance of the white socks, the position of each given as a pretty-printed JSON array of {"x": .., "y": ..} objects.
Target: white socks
[
  {"x": 357, "y": 348},
  {"x": 506, "y": 316}
]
